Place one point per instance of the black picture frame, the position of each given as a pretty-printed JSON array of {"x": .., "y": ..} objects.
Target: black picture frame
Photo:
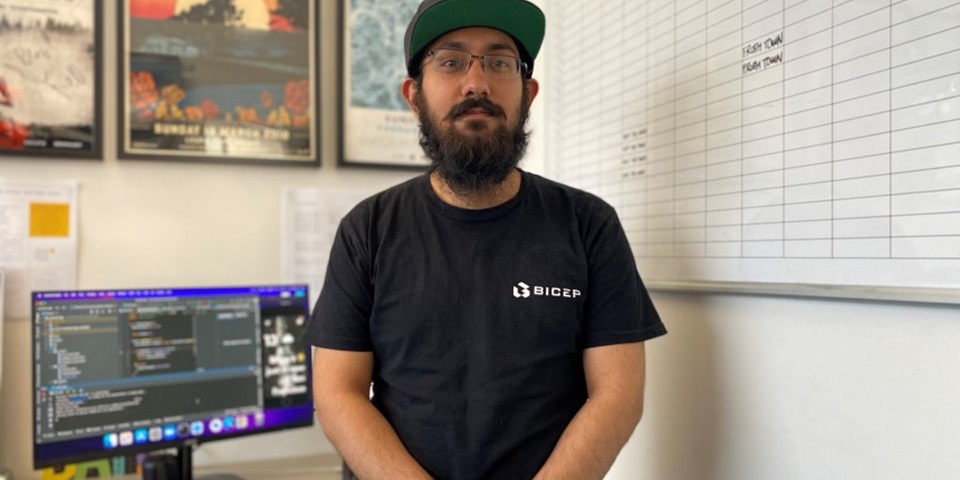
[
  {"x": 377, "y": 128},
  {"x": 51, "y": 83},
  {"x": 215, "y": 85}
]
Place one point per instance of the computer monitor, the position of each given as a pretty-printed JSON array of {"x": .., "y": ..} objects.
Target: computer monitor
[{"x": 116, "y": 372}]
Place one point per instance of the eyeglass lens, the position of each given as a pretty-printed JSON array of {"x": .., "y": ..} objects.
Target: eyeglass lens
[{"x": 458, "y": 61}]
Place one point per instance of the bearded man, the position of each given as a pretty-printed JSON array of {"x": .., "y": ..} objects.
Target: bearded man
[{"x": 498, "y": 315}]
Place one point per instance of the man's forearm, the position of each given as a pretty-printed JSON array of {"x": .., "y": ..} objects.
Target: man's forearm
[
  {"x": 592, "y": 440},
  {"x": 615, "y": 377},
  {"x": 366, "y": 441}
]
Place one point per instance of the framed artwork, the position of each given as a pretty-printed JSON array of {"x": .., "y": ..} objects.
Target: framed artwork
[
  {"x": 232, "y": 81},
  {"x": 51, "y": 80},
  {"x": 377, "y": 127}
]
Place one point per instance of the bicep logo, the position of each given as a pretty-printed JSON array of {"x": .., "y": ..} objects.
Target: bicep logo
[{"x": 522, "y": 290}]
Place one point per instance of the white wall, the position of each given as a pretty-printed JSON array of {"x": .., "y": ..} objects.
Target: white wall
[
  {"x": 761, "y": 388},
  {"x": 743, "y": 388}
]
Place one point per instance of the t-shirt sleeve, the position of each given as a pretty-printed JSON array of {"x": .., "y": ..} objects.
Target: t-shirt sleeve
[
  {"x": 618, "y": 306},
  {"x": 340, "y": 318}
]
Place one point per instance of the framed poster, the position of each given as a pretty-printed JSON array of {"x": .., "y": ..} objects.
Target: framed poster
[
  {"x": 377, "y": 126},
  {"x": 51, "y": 80},
  {"x": 233, "y": 81}
]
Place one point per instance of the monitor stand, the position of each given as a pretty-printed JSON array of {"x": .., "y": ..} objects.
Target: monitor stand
[
  {"x": 161, "y": 467},
  {"x": 185, "y": 454}
]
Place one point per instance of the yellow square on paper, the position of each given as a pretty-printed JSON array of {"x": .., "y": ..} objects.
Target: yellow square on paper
[{"x": 49, "y": 220}]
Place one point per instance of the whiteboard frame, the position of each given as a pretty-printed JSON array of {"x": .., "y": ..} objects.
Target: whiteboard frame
[{"x": 942, "y": 296}]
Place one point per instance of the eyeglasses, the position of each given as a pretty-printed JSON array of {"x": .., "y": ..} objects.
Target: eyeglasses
[{"x": 450, "y": 61}]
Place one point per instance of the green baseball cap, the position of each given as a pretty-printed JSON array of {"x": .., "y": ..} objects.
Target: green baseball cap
[{"x": 520, "y": 19}]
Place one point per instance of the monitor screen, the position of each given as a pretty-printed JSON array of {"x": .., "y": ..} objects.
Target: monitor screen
[{"x": 117, "y": 372}]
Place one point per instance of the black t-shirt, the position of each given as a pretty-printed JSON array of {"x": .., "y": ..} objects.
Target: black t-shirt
[{"x": 478, "y": 319}]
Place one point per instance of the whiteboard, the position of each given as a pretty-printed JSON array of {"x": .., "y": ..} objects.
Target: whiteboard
[{"x": 765, "y": 142}]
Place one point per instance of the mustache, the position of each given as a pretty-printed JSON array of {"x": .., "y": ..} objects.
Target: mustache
[{"x": 472, "y": 103}]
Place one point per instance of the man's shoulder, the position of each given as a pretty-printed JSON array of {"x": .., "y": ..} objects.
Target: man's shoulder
[
  {"x": 396, "y": 197},
  {"x": 552, "y": 191}
]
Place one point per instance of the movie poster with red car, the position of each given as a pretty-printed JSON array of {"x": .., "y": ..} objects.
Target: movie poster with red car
[
  {"x": 50, "y": 78},
  {"x": 219, "y": 80}
]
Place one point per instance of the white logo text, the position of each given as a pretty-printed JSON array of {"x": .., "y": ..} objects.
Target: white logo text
[{"x": 522, "y": 290}]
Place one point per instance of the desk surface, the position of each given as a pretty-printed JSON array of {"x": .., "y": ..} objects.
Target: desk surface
[{"x": 315, "y": 467}]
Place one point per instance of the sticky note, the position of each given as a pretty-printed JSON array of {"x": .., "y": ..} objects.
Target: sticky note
[{"x": 49, "y": 220}]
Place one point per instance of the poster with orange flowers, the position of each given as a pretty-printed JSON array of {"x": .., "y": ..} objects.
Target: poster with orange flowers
[
  {"x": 219, "y": 80},
  {"x": 50, "y": 78}
]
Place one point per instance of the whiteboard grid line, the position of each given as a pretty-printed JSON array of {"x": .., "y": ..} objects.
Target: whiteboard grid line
[
  {"x": 890, "y": 138},
  {"x": 813, "y": 202},
  {"x": 804, "y": 129}
]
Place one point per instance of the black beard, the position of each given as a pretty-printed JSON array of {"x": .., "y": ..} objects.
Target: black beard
[{"x": 471, "y": 164}]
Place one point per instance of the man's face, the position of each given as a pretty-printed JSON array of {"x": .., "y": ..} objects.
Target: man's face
[{"x": 472, "y": 125}]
